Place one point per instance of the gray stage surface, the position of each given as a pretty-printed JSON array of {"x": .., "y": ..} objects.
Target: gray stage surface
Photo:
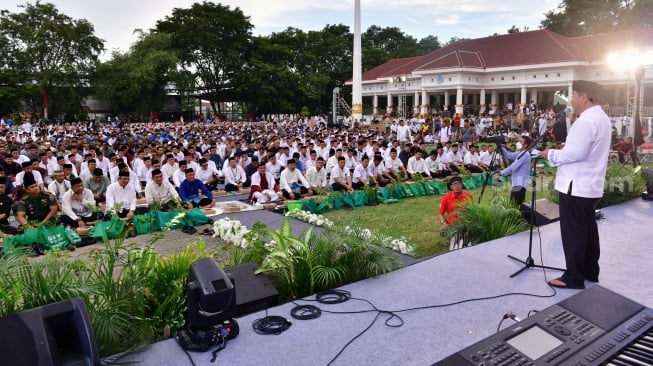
[{"x": 430, "y": 335}]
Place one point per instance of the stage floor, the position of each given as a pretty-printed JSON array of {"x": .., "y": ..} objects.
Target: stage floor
[{"x": 429, "y": 335}]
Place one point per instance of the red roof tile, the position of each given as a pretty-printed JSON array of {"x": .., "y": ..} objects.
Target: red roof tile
[{"x": 516, "y": 49}]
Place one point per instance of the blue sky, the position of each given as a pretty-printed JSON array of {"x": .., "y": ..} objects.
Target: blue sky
[{"x": 115, "y": 20}]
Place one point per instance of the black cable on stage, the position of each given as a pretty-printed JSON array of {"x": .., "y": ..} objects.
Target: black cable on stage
[
  {"x": 332, "y": 296},
  {"x": 305, "y": 312},
  {"x": 272, "y": 324}
]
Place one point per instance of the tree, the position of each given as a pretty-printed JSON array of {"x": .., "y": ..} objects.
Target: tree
[
  {"x": 428, "y": 44},
  {"x": 383, "y": 44},
  {"x": 513, "y": 29},
  {"x": 48, "y": 50},
  {"x": 135, "y": 81},
  {"x": 581, "y": 17},
  {"x": 213, "y": 42}
]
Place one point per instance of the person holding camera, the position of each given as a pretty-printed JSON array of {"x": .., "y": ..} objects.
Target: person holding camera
[{"x": 520, "y": 169}]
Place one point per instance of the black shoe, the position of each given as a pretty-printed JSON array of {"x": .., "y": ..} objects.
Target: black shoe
[
  {"x": 191, "y": 230},
  {"x": 34, "y": 252},
  {"x": 131, "y": 233},
  {"x": 40, "y": 249},
  {"x": 70, "y": 247}
]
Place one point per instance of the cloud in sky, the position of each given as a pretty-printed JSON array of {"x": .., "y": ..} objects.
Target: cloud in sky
[{"x": 116, "y": 20}]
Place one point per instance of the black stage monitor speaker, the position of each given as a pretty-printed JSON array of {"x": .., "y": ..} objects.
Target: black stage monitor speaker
[
  {"x": 58, "y": 334},
  {"x": 546, "y": 212},
  {"x": 211, "y": 295},
  {"x": 255, "y": 291}
]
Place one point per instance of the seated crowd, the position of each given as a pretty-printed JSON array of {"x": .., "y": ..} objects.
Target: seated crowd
[{"x": 67, "y": 171}]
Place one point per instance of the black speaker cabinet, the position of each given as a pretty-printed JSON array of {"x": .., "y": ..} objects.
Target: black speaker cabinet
[
  {"x": 58, "y": 334},
  {"x": 546, "y": 212},
  {"x": 255, "y": 291}
]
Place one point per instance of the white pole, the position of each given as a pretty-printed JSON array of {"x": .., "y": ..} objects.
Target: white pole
[{"x": 357, "y": 86}]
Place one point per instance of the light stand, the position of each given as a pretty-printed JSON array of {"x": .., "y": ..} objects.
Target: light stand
[{"x": 529, "y": 262}]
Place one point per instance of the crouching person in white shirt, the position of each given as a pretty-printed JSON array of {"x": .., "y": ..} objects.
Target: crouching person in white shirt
[{"x": 263, "y": 188}]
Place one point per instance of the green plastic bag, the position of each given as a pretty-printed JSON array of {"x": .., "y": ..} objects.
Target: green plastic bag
[
  {"x": 195, "y": 217},
  {"x": 146, "y": 223},
  {"x": 407, "y": 191},
  {"x": 428, "y": 189},
  {"x": 28, "y": 238},
  {"x": 359, "y": 198},
  {"x": 309, "y": 205},
  {"x": 440, "y": 187},
  {"x": 338, "y": 201},
  {"x": 106, "y": 230},
  {"x": 53, "y": 237},
  {"x": 416, "y": 189}
]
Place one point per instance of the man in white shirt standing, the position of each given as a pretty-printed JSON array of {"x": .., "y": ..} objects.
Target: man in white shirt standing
[
  {"x": 292, "y": 183},
  {"x": 580, "y": 177},
  {"x": 403, "y": 133}
]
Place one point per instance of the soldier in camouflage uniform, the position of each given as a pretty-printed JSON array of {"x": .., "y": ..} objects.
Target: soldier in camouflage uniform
[{"x": 36, "y": 205}]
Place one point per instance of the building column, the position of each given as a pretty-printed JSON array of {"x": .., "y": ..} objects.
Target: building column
[
  {"x": 416, "y": 104},
  {"x": 446, "y": 100},
  {"x": 523, "y": 102},
  {"x": 459, "y": 100},
  {"x": 375, "y": 104},
  {"x": 482, "y": 102},
  {"x": 494, "y": 99},
  {"x": 533, "y": 96},
  {"x": 388, "y": 108},
  {"x": 424, "y": 108}
]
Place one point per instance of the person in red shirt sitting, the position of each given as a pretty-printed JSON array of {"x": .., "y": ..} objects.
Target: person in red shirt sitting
[{"x": 450, "y": 204}]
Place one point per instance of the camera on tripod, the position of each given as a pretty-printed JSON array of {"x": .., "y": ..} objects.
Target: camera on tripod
[{"x": 498, "y": 139}]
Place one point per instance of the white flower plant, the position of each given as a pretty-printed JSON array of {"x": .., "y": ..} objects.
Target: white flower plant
[
  {"x": 233, "y": 231},
  {"x": 311, "y": 218}
]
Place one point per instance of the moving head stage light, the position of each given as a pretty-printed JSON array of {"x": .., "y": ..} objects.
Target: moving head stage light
[{"x": 211, "y": 300}]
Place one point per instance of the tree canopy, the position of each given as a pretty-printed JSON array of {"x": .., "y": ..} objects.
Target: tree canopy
[
  {"x": 135, "y": 81},
  {"x": 583, "y": 17},
  {"x": 48, "y": 53},
  {"x": 211, "y": 41}
]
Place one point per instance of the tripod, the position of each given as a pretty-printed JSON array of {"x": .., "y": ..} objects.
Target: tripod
[
  {"x": 529, "y": 262},
  {"x": 491, "y": 170}
]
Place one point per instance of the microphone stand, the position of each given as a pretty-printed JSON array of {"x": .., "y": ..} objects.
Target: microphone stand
[{"x": 529, "y": 262}]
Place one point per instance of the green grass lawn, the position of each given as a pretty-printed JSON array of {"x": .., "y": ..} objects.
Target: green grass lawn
[{"x": 416, "y": 219}]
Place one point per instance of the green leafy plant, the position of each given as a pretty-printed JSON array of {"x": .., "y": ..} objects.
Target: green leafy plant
[
  {"x": 480, "y": 223},
  {"x": 317, "y": 261},
  {"x": 622, "y": 183}
]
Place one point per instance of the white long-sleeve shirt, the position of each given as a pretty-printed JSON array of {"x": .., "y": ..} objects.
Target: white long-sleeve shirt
[
  {"x": 584, "y": 159},
  {"x": 417, "y": 166},
  {"x": 163, "y": 193},
  {"x": 288, "y": 177},
  {"x": 362, "y": 174},
  {"x": 73, "y": 208},
  {"x": 234, "y": 175},
  {"x": 117, "y": 194},
  {"x": 317, "y": 178}
]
